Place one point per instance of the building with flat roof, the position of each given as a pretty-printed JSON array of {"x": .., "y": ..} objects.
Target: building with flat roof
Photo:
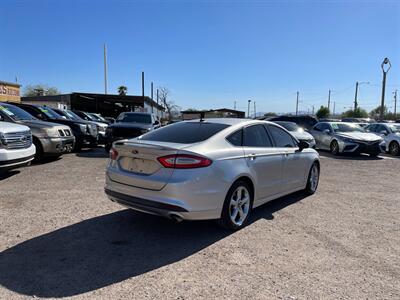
[
  {"x": 214, "y": 113},
  {"x": 10, "y": 92},
  {"x": 106, "y": 104}
]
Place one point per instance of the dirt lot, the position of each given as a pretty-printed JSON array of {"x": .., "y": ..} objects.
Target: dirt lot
[{"x": 61, "y": 237}]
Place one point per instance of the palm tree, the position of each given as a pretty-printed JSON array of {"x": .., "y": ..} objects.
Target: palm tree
[{"x": 122, "y": 90}]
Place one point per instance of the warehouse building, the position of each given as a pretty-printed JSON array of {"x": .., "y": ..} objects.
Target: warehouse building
[
  {"x": 105, "y": 104},
  {"x": 10, "y": 91}
]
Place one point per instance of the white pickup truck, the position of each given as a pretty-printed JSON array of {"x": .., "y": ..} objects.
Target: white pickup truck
[{"x": 16, "y": 148}]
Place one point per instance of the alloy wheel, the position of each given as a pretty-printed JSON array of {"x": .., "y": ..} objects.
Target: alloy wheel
[
  {"x": 394, "y": 148},
  {"x": 239, "y": 205},
  {"x": 314, "y": 178}
]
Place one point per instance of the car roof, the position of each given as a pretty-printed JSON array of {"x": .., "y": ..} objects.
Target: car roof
[{"x": 227, "y": 121}]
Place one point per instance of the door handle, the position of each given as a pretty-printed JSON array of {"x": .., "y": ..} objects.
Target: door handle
[{"x": 252, "y": 156}]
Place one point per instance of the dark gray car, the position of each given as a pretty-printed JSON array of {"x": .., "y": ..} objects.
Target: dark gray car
[{"x": 130, "y": 125}]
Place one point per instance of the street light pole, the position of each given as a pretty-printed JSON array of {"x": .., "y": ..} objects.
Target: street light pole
[
  {"x": 248, "y": 108},
  {"x": 395, "y": 104},
  {"x": 297, "y": 103},
  {"x": 329, "y": 100},
  {"x": 355, "y": 97},
  {"x": 386, "y": 61}
]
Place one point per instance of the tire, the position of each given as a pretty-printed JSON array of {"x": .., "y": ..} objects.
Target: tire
[
  {"x": 335, "y": 148},
  {"x": 39, "y": 149},
  {"x": 78, "y": 147},
  {"x": 231, "y": 210},
  {"x": 394, "y": 148},
  {"x": 312, "y": 181}
]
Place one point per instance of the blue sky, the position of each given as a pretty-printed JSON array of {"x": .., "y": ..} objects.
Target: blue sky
[{"x": 208, "y": 53}]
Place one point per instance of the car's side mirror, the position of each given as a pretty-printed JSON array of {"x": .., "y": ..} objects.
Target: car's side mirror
[
  {"x": 1, "y": 118},
  {"x": 327, "y": 131},
  {"x": 40, "y": 116},
  {"x": 303, "y": 145},
  {"x": 156, "y": 123},
  {"x": 384, "y": 132}
]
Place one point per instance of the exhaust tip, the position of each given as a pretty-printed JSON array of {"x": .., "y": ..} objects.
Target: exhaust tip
[{"x": 176, "y": 218}]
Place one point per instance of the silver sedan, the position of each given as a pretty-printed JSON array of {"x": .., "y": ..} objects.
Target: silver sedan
[
  {"x": 210, "y": 169},
  {"x": 341, "y": 137}
]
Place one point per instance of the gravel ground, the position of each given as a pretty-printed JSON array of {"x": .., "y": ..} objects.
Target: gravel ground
[{"x": 61, "y": 237}]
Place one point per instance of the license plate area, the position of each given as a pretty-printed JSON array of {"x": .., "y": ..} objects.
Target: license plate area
[{"x": 138, "y": 165}]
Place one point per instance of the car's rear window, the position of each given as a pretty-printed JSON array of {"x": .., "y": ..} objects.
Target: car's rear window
[{"x": 184, "y": 132}]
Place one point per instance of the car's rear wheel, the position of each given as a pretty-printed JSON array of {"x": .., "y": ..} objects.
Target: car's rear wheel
[
  {"x": 312, "y": 180},
  {"x": 237, "y": 206},
  {"x": 394, "y": 148},
  {"x": 335, "y": 148}
]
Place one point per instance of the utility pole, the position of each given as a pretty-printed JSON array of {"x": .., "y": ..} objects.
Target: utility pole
[
  {"x": 248, "y": 108},
  {"x": 152, "y": 90},
  {"x": 157, "y": 96},
  {"x": 386, "y": 61},
  {"x": 255, "y": 112},
  {"x": 329, "y": 100},
  {"x": 313, "y": 109},
  {"x": 105, "y": 69},
  {"x": 334, "y": 106},
  {"x": 297, "y": 103},
  {"x": 234, "y": 105},
  {"x": 355, "y": 97},
  {"x": 143, "y": 84},
  {"x": 395, "y": 104}
]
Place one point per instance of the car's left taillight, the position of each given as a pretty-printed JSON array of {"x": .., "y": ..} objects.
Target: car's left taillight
[
  {"x": 184, "y": 161},
  {"x": 113, "y": 154}
]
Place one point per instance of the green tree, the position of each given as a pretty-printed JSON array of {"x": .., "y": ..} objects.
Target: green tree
[
  {"x": 122, "y": 90},
  {"x": 270, "y": 114},
  {"x": 357, "y": 113},
  {"x": 40, "y": 90},
  {"x": 323, "y": 112}
]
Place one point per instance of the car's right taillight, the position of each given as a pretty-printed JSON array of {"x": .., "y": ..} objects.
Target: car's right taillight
[
  {"x": 184, "y": 161},
  {"x": 113, "y": 154}
]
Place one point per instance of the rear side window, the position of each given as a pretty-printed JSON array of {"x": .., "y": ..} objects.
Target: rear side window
[
  {"x": 184, "y": 132},
  {"x": 281, "y": 137},
  {"x": 256, "y": 136},
  {"x": 236, "y": 138}
]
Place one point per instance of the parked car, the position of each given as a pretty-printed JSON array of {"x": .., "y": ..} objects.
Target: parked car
[
  {"x": 306, "y": 122},
  {"x": 210, "y": 169},
  {"x": 50, "y": 139},
  {"x": 298, "y": 132},
  {"x": 130, "y": 125},
  {"x": 85, "y": 134},
  {"x": 358, "y": 120},
  {"x": 99, "y": 118},
  {"x": 101, "y": 127},
  {"x": 16, "y": 148},
  {"x": 110, "y": 120},
  {"x": 342, "y": 137},
  {"x": 390, "y": 133}
]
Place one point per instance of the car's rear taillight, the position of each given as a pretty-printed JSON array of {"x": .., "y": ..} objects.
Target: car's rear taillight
[
  {"x": 113, "y": 154},
  {"x": 184, "y": 161}
]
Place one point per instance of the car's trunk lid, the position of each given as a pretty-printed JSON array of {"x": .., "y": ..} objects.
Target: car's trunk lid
[{"x": 138, "y": 165}]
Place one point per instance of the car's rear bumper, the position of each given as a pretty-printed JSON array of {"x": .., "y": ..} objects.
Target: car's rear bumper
[{"x": 191, "y": 195}]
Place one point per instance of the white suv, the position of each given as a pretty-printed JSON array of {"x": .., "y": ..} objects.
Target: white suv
[{"x": 16, "y": 146}]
